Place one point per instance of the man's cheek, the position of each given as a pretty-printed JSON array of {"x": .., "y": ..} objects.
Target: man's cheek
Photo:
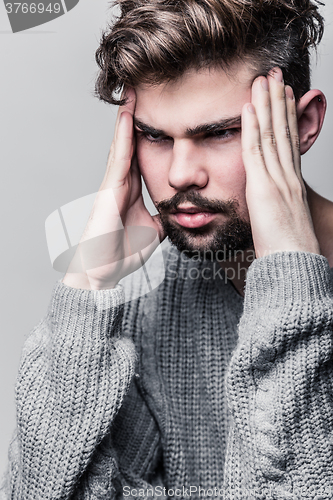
[
  {"x": 152, "y": 181},
  {"x": 231, "y": 175},
  {"x": 230, "y": 178},
  {"x": 145, "y": 155},
  {"x": 153, "y": 168}
]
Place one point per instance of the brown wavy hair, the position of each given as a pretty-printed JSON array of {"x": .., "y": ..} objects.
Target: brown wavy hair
[{"x": 155, "y": 41}]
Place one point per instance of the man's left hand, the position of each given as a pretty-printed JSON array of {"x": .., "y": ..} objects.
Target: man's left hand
[{"x": 275, "y": 191}]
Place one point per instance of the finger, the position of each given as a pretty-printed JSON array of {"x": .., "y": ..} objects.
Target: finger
[
  {"x": 252, "y": 152},
  {"x": 280, "y": 121},
  {"x": 293, "y": 128},
  {"x": 123, "y": 151},
  {"x": 122, "y": 146},
  {"x": 130, "y": 96},
  {"x": 261, "y": 100}
]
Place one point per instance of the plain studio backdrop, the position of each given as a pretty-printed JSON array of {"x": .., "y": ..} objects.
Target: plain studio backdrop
[{"x": 55, "y": 138}]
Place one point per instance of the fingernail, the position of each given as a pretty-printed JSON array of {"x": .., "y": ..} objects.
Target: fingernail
[
  {"x": 290, "y": 93},
  {"x": 277, "y": 74},
  {"x": 264, "y": 84},
  {"x": 251, "y": 109}
]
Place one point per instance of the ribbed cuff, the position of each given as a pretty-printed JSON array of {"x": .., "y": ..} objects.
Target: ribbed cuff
[
  {"x": 285, "y": 278},
  {"x": 77, "y": 308}
]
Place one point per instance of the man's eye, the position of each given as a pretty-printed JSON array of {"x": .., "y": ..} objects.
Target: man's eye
[
  {"x": 224, "y": 133},
  {"x": 155, "y": 138}
]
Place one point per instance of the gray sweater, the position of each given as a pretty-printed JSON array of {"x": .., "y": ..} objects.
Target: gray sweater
[{"x": 189, "y": 388}]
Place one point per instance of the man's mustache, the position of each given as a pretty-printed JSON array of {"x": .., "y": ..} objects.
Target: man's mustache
[{"x": 225, "y": 207}]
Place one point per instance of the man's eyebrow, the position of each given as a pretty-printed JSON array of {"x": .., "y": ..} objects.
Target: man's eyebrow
[
  {"x": 147, "y": 128},
  {"x": 223, "y": 124}
]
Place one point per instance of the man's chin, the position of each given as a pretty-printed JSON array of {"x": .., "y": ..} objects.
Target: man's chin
[{"x": 210, "y": 243}]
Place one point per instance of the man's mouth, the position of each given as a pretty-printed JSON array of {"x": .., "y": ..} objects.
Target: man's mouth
[
  {"x": 192, "y": 217},
  {"x": 190, "y": 210}
]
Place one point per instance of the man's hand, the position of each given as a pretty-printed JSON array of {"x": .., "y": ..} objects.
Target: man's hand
[
  {"x": 119, "y": 224},
  {"x": 275, "y": 192}
]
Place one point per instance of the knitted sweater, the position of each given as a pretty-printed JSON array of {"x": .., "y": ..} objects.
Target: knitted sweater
[{"x": 122, "y": 400}]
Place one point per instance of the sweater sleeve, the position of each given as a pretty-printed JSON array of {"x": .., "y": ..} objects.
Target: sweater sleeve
[
  {"x": 279, "y": 383},
  {"x": 74, "y": 373}
]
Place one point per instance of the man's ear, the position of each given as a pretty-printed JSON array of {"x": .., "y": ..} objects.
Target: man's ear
[{"x": 311, "y": 110}]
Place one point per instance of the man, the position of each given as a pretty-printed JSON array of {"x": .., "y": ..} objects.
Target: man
[{"x": 193, "y": 390}]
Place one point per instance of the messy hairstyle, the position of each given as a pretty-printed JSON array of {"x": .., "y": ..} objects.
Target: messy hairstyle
[{"x": 155, "y": 41}]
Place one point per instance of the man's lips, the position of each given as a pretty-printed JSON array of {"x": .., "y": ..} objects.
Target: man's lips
[
  {"x": 192, "y": 217},
  {"x": 190, "y": 209}
]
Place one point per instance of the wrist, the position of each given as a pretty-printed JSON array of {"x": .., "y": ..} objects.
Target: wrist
[
  {"x": 82, "y": 281},
  {"x": 288, "y": 278}
]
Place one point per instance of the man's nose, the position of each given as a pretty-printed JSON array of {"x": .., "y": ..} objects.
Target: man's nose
[{"x": 188, "y": 167}]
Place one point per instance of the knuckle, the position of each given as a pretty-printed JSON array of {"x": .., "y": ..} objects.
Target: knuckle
[
  {"x": 295, "y": 190},
  {"x": 269, "y": 137},
  {"x": 281, "y": 96},
  {"x": 295, "y": 140},
  {"x": 286, "y": 132},
  {"x": 253, "y": 150}
]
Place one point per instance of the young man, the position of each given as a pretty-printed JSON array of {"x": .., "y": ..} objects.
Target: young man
[{"x": 201, "y": 387}]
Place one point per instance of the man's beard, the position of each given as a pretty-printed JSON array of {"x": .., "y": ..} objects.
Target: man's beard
[{"x": 213, "y": 239}]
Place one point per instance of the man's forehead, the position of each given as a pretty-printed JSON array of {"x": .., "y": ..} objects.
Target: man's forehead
[
  {"x": 238, "y": 74},
  {"x": 197, "y": 99}
]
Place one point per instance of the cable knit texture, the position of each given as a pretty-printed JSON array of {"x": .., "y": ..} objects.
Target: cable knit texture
[{"x": 188, "y": 387}]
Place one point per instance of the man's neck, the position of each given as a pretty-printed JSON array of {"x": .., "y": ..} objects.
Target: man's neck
[{"x": 322, "y": 216}]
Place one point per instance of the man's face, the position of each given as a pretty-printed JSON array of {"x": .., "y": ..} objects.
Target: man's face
[{"x": 190, "y": 156}]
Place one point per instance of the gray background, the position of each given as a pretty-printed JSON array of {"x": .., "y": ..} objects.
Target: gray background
[{"x": 55, "y": 138}]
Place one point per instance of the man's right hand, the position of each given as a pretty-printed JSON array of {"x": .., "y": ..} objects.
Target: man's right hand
[{"x": 121, "y": 234}]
